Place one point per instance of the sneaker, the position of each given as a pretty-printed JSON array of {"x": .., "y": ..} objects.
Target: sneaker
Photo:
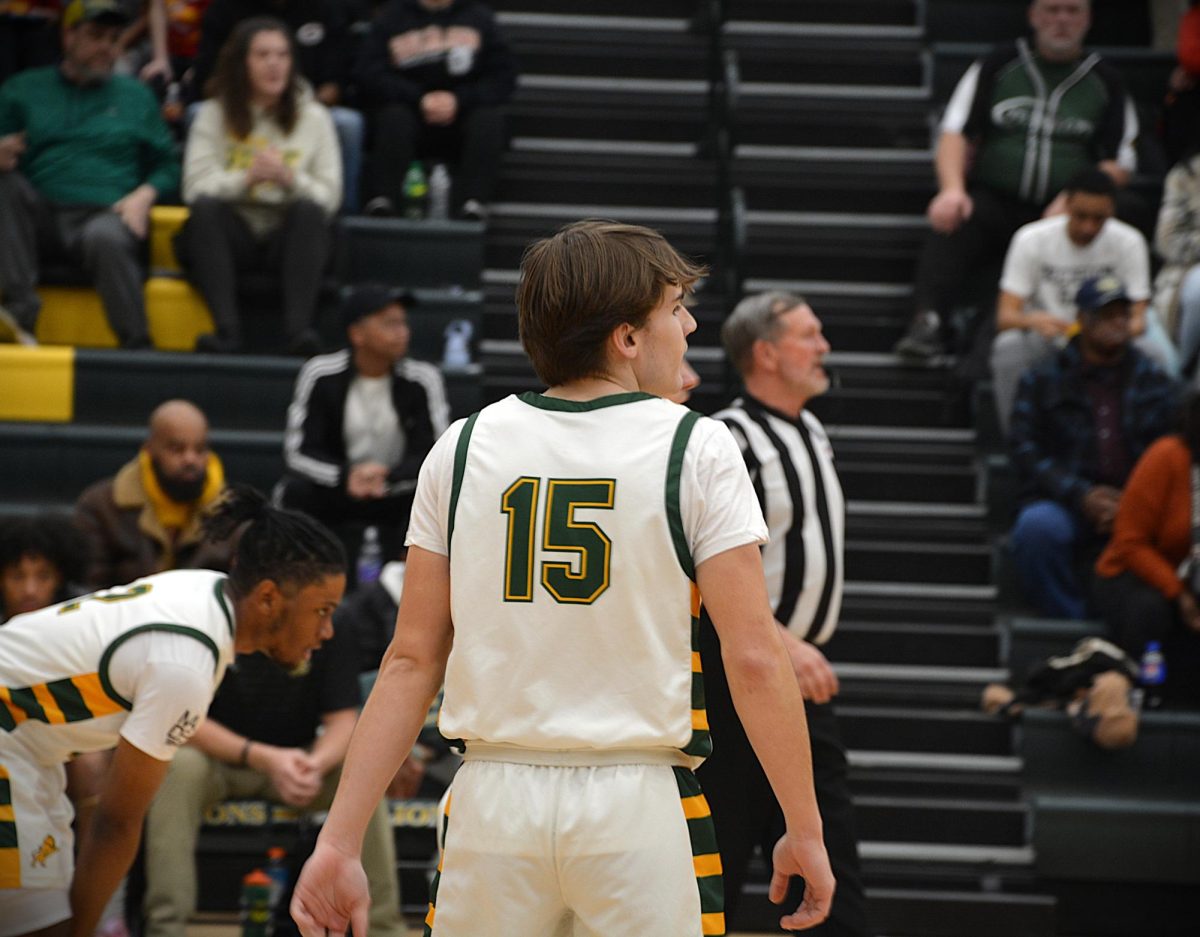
[
  {"x": 923, "y": 340},
  {"x": 11, "y": 332},
  {"x": 473, "y": 210},
  {"x": 380, "y": 207}
]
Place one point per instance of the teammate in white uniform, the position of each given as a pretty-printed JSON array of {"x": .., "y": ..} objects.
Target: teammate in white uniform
[
  {"x": 135, "y": 667},
  {"x": 559, "y": 547}
]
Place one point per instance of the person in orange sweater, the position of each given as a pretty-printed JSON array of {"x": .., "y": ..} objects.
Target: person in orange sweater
[{"x": 1142, "y": 585}]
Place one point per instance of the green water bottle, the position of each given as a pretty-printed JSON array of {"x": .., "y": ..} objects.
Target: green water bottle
[
  {"x": 256, "y": 905},
  {"x": 416, "y": 191}
]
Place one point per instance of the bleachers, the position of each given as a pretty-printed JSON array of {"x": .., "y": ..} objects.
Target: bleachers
[{"x": 969, "y": 826}]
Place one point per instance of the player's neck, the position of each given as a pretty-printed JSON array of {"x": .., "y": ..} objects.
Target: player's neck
[{"x": 591, "y": 388}]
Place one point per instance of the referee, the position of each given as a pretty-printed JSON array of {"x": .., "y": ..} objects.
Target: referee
[{"x": 775, "y": 341}]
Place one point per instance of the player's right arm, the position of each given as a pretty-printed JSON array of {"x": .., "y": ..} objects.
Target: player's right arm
[
  {"x": 110, "y": 842},
  {"x": 331, "y": 892},
  {"x": 769, "y": 703}
]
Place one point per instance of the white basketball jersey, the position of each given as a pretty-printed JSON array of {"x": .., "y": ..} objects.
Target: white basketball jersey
[
  {"x": 573, "y": 530},
  {"x": 57, "y": 696}
]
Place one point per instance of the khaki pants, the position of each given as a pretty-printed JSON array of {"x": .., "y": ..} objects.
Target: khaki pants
[{"x": 196, "y": 781}]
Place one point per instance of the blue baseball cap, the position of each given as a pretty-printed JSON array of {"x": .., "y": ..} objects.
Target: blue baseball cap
[{"x": 1097, "y": 292}]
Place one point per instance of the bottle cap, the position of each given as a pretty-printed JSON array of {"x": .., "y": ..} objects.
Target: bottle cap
[
  {"x": 257, "y": 877},
  {"x": 276, "y": 852}
]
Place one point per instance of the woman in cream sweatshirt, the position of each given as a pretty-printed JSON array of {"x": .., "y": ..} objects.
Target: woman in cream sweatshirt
[{"x": 262, "y": 177}]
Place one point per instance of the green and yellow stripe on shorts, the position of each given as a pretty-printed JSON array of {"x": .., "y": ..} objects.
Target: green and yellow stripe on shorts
[
  {"x": 10, "y": 849},
  {"x": 437, "y": 876},
  {"x": 706, "y": 859}
]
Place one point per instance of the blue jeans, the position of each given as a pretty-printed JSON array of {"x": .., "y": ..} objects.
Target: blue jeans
[{"x": 1044, "y": 543}]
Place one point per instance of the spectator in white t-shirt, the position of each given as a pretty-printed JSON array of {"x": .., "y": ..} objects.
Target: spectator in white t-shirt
[{"x": 1045, "y": 265}]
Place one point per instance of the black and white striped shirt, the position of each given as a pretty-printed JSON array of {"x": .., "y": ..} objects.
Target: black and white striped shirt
[{"x": 791, "y": 465}]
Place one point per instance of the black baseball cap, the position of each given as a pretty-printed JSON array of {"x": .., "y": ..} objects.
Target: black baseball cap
[
  {"x": 1097, "y": 292},
  {"x": 366, "y": 299}
]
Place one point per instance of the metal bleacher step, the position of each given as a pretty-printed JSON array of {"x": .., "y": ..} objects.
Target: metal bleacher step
[
  {"x": 581, "y": 175},
  {"x": 831, "y": 179},
  {"x": 874, "y": 14},
  {"x": 914, "y": 728},
  {"x": 845, "y": 59},
  {"x": 932, "y": 820},
  {"x": 950, "y": 645},
  {"x": 839, "y": 245}
]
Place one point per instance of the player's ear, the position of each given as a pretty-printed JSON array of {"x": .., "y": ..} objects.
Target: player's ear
[{"x": 623, "y": 341}]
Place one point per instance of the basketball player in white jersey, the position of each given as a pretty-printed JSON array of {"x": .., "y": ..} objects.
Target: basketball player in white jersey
[
  {"x": 136, "y": 667},
  {"x": 559, "y": 547}
]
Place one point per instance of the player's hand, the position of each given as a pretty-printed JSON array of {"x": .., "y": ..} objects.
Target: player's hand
[
  {"x": 817, "y": 680},
  {"x": 331, "y": 894},
  {"x": 805, "y": 857},
  {"x": 949, "y": 209},
  {"x": 1189, "y": 612}
]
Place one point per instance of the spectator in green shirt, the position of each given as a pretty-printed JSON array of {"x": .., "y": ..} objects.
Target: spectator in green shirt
[{"x": 84, "y": 154}]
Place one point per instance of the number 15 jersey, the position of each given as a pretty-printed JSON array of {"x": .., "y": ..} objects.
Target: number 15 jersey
[{"x": 573, "y": 531}]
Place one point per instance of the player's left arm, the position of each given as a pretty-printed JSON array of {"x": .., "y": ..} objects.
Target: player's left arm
[{"x": 110, "y": 842}]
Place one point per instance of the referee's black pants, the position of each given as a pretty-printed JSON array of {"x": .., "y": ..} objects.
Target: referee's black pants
[{"x": 746, "y": 813}]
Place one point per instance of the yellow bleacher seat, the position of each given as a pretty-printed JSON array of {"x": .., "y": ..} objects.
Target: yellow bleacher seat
[
  {"x": 73, "y": 315},
  {"x": 37, "y": 384},
  {"x": 165, "y": 221}
]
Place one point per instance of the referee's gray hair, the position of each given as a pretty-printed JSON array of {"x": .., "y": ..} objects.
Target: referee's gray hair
[{"x": 754, "y": 318}]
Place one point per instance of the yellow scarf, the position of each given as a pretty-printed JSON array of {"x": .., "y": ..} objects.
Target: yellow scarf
[{"x": 172, "y": 514}]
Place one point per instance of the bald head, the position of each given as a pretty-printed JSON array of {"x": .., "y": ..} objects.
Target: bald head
[{"x": 178, "y": 448}]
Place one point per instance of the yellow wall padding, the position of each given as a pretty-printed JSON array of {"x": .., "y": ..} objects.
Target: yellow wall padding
[
  {"x": 37, "y": 383},
  {"x": 73, "y": 315}
]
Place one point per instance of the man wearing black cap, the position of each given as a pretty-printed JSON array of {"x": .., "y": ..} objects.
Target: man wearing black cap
[
  {"x": 84, "y": 154},
  {"x": 361, "y": 422},
  {"x": 1082, "y": 418}
]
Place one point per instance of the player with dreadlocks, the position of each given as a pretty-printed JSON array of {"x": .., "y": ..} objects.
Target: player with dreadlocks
[{"x": 136, "y": 667}]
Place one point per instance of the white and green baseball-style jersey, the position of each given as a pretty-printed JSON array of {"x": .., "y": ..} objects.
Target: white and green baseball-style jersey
[
  {"x": 140, "y": 661},
  {"x": 573, "y": 531}
]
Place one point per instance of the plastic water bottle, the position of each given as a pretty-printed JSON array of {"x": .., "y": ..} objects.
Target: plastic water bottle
[
  {"x": 458, "y": 345},
  {"x": 277, "y": 872},
  {"x": 1153, "y": 674},
  {"x": 416, "y": 191},
  {"x": 370, "y": 556},
  {"x": 439, "y": 193},
  {"x": 256, "y": 905}
]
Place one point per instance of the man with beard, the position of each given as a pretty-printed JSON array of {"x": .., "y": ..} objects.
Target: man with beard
[
  {"x": 146, "y": 518},
  {"x": 84, "y": 154},
  {"x": 1082, "y": 419}
]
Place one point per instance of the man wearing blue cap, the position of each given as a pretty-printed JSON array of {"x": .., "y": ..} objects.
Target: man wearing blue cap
[
  {"x": 1081, "y": 420},
  {"x": 362, "y": 420},
  {"x": 84, "y": 154}
]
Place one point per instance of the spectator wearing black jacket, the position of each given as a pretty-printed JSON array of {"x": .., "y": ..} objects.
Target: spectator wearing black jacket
[
  {"x": 361, "y": 422},
  {"x": 320, "y": 29},
  {"x": 438, "y": 73}
]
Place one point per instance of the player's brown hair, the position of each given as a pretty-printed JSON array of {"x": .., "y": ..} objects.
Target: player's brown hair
[{"x": 582, "y": 282}]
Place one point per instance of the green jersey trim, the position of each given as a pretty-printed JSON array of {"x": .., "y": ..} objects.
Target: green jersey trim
[
  {"x": 219, "y": 592},
  {"x": 460, "y": 468},
  {"x": 542, "y": 402},
  {"x": 106, "y": 683},
  {"x": 683, "y": 433}
]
